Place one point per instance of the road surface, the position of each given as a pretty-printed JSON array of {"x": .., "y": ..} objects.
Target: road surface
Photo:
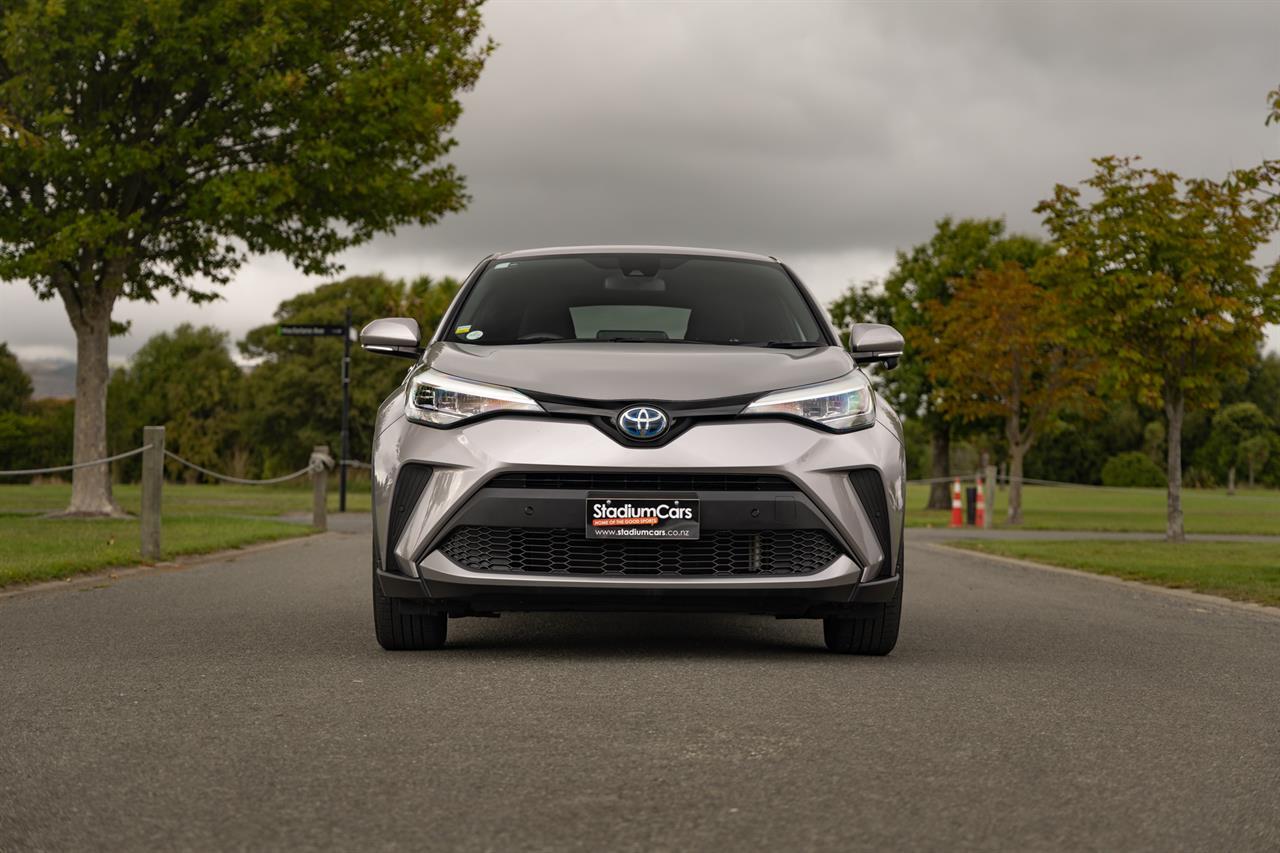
[{"x": 243, "y": 703}]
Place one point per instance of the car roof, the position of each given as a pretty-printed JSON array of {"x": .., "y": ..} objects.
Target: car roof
[{"x": 633, "y": 250}]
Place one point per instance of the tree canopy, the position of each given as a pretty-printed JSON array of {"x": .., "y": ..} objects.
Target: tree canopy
[
  {"x": 293, "y": 395},
  {"x": 153, "y": 145},
  {"x": 1003, "y": 347},
  {"x": 186, "y": 381},
  {"x": 921, "y": 277},
  {"x": 15, "y": 385},
  {"x": 1160, "y": 273}
]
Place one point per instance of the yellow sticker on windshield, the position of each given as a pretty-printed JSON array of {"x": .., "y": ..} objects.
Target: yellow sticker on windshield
[{"x": 462, "y": 330}]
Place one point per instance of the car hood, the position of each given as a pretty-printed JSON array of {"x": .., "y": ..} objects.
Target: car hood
[{"x": 644, "y": 371}]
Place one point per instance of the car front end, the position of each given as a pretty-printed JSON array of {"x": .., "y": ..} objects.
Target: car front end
[{"x": 656, "y": 466}]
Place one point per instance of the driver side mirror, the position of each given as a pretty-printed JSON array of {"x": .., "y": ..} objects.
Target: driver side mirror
[
  {"x": 872, "y": 342},
  {"x": 396, "y": 336}
]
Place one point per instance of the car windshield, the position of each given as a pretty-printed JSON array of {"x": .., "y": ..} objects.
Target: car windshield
[{"x": 636, "y": 298}]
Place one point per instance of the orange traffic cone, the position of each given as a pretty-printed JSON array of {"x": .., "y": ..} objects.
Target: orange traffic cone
[
  {"x": 957, "y": 511},
  {"x": 980, "y": 512}
]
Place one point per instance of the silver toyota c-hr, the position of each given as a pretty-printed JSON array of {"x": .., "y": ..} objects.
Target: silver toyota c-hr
[{"x": 637, "y": 428}]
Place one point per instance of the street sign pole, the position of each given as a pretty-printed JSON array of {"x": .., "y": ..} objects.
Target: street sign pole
[
  {"x": 346, "y": 414},
  {"x": 322, "y": 330}
]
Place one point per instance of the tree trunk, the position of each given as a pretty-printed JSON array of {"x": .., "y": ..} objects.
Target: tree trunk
[
  {"x": 91, "y": 487},
  {"x": 1017, "y": 450},
  {"x": 940, "y": 492},
  {"x": 1175, "y": 409},
  {"x": 1016, "y": 453},
  {"x": 1231, "y": 480}
]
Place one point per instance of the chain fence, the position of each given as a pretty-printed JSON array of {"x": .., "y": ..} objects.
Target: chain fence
[
  {"x": 301, "y": 472},
  {"x": 153, "y": 456},
  {"x": 31, "y": 472},
  {"x": 1004, "y": 479},
  {"x": 284, "y": 478}
]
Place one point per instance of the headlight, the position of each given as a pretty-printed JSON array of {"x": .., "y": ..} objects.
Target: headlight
[
  {"x": 842, "y": 404},
  {"x": 437, "y": 399}
]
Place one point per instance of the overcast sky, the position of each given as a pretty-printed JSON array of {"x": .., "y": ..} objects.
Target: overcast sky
[{"x": 828, "y": 134}]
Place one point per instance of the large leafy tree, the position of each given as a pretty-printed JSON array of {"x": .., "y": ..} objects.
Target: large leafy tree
[
  {"x": 152, "y": 145},
  {"x": 1002, "y": 347},
  {"x": 923, "y": 276},
  {"x": 293, "y": 397},
  {"x": 1160, "y": 272},
  {"x": 15, "y": 384}
]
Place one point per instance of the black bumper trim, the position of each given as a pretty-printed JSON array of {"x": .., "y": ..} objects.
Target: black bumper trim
[
  {"x": 460, "y": 599},
  {"x": 876, "y": 592}
]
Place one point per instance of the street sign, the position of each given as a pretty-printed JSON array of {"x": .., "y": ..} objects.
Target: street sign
[
  {"x": 322, "y": 330},
  {"x": 306, "y": 330}
]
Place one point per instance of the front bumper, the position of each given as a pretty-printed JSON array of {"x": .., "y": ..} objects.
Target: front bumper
[
  {"x": 462, "y": 461},
  {"x": 465, "y": 599}
]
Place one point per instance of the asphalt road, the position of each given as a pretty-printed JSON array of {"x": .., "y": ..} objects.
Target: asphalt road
[{"x": 243, "y": 703}]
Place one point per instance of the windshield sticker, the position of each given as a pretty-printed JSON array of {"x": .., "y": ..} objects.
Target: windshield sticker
[
  {"x": 462, "y": 330},
  {"x": 475, "y": 336},
  {"x": 503, "y": 265}
]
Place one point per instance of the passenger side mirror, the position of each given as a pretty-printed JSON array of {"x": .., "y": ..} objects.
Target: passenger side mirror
[
  {"x": 397, "y": 336},
  {"x": 872, "y": 342}
]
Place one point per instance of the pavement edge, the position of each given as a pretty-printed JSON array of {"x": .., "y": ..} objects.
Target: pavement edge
[{"x": 1184, "y": 594}]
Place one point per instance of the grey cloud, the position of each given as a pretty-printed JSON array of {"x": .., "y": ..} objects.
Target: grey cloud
[{"x": 826, "y": 133}]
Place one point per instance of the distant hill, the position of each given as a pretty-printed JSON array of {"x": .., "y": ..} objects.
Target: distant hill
[{"x": 51, "y": 377}]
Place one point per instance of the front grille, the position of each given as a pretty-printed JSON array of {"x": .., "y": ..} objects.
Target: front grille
[
  {"x": 651, "y": 481},
  {"x": 563, "y": 551}
]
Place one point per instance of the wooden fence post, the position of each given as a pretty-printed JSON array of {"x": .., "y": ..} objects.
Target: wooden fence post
[
  {"x": 320, "y": 490},
  {"x": 152, "y": 481}
]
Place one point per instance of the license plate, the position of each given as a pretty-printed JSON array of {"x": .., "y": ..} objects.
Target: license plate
[{"x": 630, "y": 517}]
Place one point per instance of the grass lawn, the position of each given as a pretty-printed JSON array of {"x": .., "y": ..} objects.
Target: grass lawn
[
  {"x": 1081, "y": 508},
  {"x": 1244, "y": 571},
  {"x": 196, "y": 519}
]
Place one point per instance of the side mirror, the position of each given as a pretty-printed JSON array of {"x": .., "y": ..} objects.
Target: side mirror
[
  {"x": 872, "y": 342},
  {"x": 397, "y": 336}
]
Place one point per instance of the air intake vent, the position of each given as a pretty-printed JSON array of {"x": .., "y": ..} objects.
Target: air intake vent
[
  {"x": 869, "y": 487},
  {"x": 652, "y": 481},
  {"x": 410, "y": 482}
]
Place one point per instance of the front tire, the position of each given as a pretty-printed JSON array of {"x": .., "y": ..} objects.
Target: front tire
[
  {"x": 398, "y": 631},
  {"x": 873, "y": 634}
]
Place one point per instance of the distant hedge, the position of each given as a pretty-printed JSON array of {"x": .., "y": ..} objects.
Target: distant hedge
[{"x": 1132, "y": 469}]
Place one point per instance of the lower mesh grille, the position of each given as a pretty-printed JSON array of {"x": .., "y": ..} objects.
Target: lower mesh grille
[{"x": 561, "y": 551}]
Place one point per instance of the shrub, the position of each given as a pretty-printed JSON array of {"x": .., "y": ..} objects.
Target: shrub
[{"x": 1132, "y": 469}]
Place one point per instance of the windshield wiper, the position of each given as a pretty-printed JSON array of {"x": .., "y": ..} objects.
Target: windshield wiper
[
  {"x": 786, "y": 344},
  {"x": 638, "y": 340}
]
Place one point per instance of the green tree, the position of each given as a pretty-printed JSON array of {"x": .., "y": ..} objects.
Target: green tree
[
  {"x": 293, "y": 397},
  {"x": 1160, "y": 271},
  {"x": 1004, "y": 348},
  {"x": 186, "y": 381},
  {"x": 37, "y": 437},
  {"x": 148, "y": 145},
  {"x": 1132, "y": 469},
  {"x": 920, "y": 277},
  {"x": 1254, "y": 452},
  {"x": 1075, "y": 447},
  {"x": 1235, "y": 426},
  {"x": 15, "y": 384},
  {"x": 1262, "y": 387}
]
